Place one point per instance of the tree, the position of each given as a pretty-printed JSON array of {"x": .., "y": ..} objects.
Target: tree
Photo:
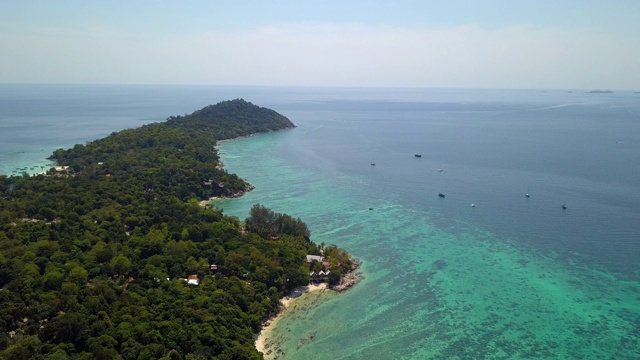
[
  {"x": 78, "y": 275},
  {"x": 121, "y": 265},
  {"x": 103, "y": 347},
  {"x": 53, "y": 278}
]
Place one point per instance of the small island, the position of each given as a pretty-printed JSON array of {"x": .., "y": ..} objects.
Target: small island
[
  {"x": 600, "y": 92},
  {"x": 110, "y": 255}
]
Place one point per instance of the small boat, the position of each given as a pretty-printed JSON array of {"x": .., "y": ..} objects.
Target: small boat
[
  {"x": 440, "y": 195},
  {"x": 473, "y": 205},
  {"x": 417, "y": 155},
  {"x": 564, "y": 207},
  {"x": 526, "y": 195},
  {"x": 440, "y": 169}
]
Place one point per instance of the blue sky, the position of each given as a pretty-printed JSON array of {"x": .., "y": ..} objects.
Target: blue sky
[{"x": 479, "y": 44}]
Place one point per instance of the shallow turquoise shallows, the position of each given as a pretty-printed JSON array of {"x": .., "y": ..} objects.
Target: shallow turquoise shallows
[{"x": 511, "y": 277}]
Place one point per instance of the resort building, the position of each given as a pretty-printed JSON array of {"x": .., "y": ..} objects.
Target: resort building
[{"x": 317, "y": 258}]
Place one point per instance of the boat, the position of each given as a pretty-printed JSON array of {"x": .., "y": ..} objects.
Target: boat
[
  {"x": 526, "y": 195},
  {"x": 373, "y": 163},
  {"x": 417, "y": 155},
  {"x": 441, "y": 195},
  {"x": 564, "y": 207},
  {"x": 440, "y": 169},
  {"x": 473, "y": 205}
]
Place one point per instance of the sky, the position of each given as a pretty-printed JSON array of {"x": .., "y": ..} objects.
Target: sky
[{"x": 540, "y": 44}]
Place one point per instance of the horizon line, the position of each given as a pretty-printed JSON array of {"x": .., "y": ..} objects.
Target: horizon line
[{"x": 323, "y": 86}]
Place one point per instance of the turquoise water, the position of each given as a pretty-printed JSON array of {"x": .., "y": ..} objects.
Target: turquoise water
[{"x": 512, "y": 277}]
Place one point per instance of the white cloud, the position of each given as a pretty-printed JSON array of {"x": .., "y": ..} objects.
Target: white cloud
[{"x": 327, "y": 55}]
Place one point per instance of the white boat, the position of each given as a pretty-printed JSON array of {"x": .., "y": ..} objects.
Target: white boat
[{"x": 440, "y": 169}]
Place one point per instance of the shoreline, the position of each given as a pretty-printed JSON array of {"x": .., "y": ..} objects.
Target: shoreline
[
  {"x": 44, "y": 163},
  {"x": 220, "y": 165},
  {"x": 262, "y": 343},
  {"x": 35, "y": 168},
  {"x": 218, "y": 142},
  {"x": 265, "y": 343}
]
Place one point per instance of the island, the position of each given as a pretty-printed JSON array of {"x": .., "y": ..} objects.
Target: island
[
  {"x": 600, "y": 92},
  {"x": 110, "y": 254}
]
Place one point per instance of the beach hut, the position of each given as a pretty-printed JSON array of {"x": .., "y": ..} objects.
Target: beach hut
[
  {"x": 193, "y": 280},
  {"x": 321, "y": 275}
]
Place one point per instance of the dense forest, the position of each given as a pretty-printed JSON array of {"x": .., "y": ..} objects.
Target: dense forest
[{"x": 111, "y": 256}]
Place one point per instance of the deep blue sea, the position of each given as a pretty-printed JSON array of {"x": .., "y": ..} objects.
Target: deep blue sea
[{"x": 511, "y": 277}]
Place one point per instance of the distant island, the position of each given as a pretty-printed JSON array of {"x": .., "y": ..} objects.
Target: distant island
[
  {"x": 110, "y": 255},
  {"x": 600, "y": 92}
]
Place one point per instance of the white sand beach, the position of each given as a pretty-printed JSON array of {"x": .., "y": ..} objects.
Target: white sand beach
[{"x": 261, "y": 340}]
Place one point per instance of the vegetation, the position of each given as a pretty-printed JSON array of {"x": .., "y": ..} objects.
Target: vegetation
[
  {"x": 94, "y": 259},
  {"x": 269, "y": 224}
]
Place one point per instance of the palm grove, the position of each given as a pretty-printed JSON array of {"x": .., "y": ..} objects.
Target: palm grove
[{"x": 94, "y": 255}]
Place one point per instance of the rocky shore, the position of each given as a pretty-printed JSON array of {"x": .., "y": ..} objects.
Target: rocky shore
[{"x": 349, "y": 279}]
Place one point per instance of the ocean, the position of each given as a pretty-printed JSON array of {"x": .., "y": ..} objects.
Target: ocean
[{"x": 510, "y": 277}]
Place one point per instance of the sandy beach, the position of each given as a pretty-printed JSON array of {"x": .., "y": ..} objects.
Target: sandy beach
[
  {"x": 204, "y": 203},
  {"x": 262, "y": 337},
  {"x": 268, "y": 346}
]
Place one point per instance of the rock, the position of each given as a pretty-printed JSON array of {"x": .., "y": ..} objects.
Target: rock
[{"x": 349, "y": 279}]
